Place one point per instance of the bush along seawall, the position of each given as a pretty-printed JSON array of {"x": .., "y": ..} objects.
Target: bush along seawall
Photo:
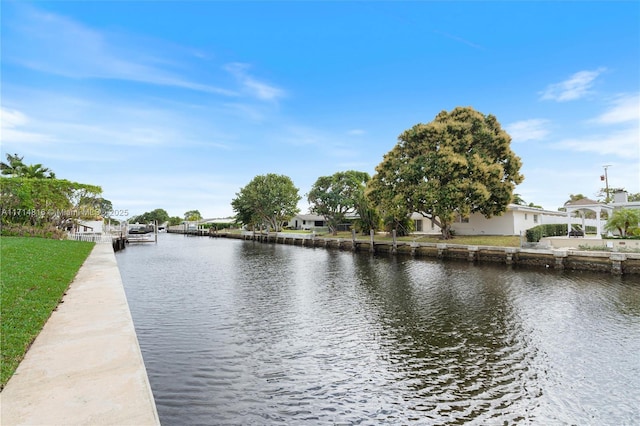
[{"x": 618, "y": 263}]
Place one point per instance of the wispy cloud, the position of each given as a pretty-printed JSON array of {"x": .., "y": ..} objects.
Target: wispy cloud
[
  {"x": 57, "y": 45},
  {"x": 253, "y": 86},
  {"x": 12, "y": 124},
  {"x": 625, "y": 108},
  {"x": 620, "y": 143},
  {"x": 614, "y": 133},
  {"x": 104, "y": 123},
  {"x": 575, "y": 87},
  {"x": 526, "y": 130}
]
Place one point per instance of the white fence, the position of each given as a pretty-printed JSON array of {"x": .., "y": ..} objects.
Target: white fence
[{"x": 93, "y": 238}]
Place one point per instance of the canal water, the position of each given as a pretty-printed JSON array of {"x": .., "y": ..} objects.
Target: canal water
[{"x": 240, "y": 332}]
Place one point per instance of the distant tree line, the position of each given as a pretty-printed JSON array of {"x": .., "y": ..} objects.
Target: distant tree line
[{"x": 161, "y": 216}]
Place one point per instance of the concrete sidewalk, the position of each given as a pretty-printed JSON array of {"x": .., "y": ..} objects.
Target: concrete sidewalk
[{"x": 85, "y": 367}]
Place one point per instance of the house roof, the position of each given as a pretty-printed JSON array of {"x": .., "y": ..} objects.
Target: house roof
[
  {"x": 218, "y": 220},
  {"x": 313, "y": 217},
  {"x": 536, "y": 210},
  {"x": 582, "y": 202}
]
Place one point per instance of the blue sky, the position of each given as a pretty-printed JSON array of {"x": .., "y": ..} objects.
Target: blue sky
[{"x": 178, "y": 105}]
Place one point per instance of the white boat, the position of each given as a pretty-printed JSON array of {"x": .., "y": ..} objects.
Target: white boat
[{"x": 141, "y": 233}]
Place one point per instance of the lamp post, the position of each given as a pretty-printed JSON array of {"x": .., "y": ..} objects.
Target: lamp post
[{"x": 606, "y": 180}]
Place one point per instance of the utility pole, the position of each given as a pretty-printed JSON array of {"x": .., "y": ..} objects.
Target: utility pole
[{"x": 606, "y": 180}]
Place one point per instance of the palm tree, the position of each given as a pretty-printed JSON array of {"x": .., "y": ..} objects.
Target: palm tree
[
  {"x": 36, "y": 171},
  {"x": 517, "y": 199},
  {"x": 15, "y": 167}
]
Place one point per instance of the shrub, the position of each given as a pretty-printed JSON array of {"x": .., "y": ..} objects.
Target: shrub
[
  {"x": 19, "y": 230},
  {"x": 220, "y": 226},
  {"x": 552, "y": 230}
]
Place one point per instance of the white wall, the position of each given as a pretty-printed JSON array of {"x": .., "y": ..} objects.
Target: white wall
[
  {"x": 426, "y": 224},
  {"x": 480, "y": 225},
  {"x": 97, "y": 226},
  {"x": 512, "y": 222}
]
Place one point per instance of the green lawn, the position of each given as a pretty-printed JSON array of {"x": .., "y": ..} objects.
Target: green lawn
[{"x": 34, "y": 275}]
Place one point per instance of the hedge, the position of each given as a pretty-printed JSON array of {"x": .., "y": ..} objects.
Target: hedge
[{"x": 553, "y": 230}]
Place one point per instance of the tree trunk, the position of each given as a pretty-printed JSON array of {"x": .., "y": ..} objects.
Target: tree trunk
[
  {"x": 445, "y": 227},
  {"x": 446, "y": 231}
]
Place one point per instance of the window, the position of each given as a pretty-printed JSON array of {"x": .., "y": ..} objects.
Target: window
[
  {"x": 417, "y": 225},
  {"x": 535, "y": 218},
  {"x": 526, "y": 216},
  {"x": 461, "y": 219}
]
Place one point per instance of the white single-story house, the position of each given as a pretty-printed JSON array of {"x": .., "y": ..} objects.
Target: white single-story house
[
  {"x": 518, "y": 219},
  {"x": 513, "y": 221},
  {"x": 307, "y": 222}
]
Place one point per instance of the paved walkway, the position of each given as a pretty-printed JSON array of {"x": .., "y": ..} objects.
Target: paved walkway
[{"x": 85, "y": 367}]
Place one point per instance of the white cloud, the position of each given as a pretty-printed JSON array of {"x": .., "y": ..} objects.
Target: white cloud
[
  {"x": 621, "y": 134},
  {"x": 621, "y": 143},
  {"x": 11, "y": 122},
  {"x": 57, "y": 45},
  {"x": 262, "y": 90},
  {"x": 10, "y": 118},
  {"x": 251, "y": 85},
  {"x": 525, "y": 130},
  {"x": 575, "y": 87},
  {"x": 625, "y": 108}
]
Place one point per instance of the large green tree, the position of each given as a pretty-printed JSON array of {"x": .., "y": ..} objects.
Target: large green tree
[
  {"x": 175, "y": 220},
  {"x": 192, "y": 215},
  {"x": 337, "y": 195},
  {"x": 458, "y": 164},
  {"x": 268, "y": 200},
  {"x": 159, "y": 215}
]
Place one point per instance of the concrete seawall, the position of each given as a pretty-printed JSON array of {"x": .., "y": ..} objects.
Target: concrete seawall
[
  {"x": 617, "y": 263},
  {"x": 85, "y": 367}
]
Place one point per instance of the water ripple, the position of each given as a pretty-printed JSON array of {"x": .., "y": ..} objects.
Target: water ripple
[{"x": 236, "y": 332}]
